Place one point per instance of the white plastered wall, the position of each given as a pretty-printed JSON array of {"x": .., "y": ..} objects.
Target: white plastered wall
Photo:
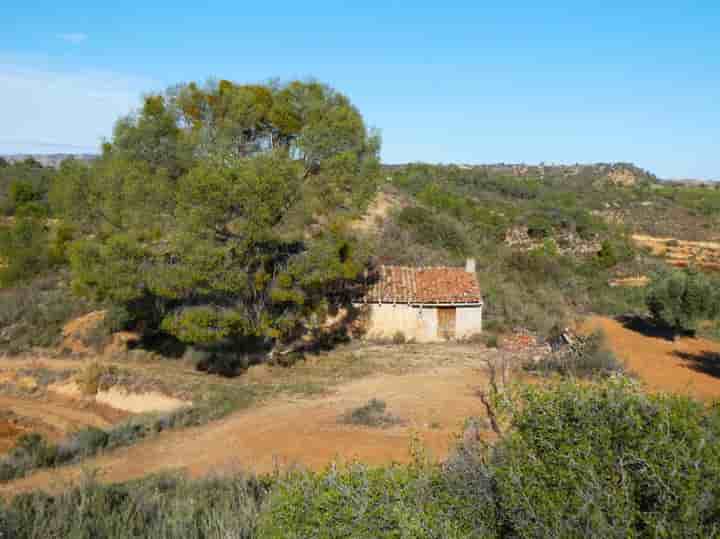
[
  {"x": 384, "y": 320},
  {"x": 468, "y": 321}
]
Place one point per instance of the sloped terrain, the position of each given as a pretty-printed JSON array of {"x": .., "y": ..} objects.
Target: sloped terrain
[
  {"x": 433, "y": 394},
  {"x": 681, "y": 253},
  {"x": 689, "y": 366}
]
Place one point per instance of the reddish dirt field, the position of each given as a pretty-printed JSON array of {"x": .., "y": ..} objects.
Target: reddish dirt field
[
  {"x": 433, "y": 404},
  {"x": 51, "y": 416},
  {"x": 686, "y": 366},
  {"x": 9, "y": 432}
]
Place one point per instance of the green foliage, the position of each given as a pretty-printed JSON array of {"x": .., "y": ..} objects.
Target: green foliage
[
  {"x": 432, "y": 230},
  {"x": 579, "y": 460},
  {"x": 372, "y": 414},
  {"x": 32, "y": 314},
  {"x": 364, "y": 503},
  {"x": 613, "y": 253},
  {"x": 588, "y": 358},
  {"x": 609, "y": 461},
  {"x": 700, "y": 200},
  {"x": 679, "y": 299},
  {"x": 491, "y": 340},
  {"x": 24, "y": 250},
  {"x": 24, "y": 184},
  {"x": 159, "y": 508},
  {"x": 194, "y": 215}
]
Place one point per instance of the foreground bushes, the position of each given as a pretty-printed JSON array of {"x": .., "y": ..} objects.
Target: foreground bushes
[
  {"x": 578, "y": 461},
  {"x": 165, "y": 507}
]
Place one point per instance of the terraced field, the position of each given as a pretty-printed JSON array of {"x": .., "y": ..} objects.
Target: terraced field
[{"x": 681, "y": 253}]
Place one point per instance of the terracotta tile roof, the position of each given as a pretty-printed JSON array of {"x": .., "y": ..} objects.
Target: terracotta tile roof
[{"x": 401, "y": 284}]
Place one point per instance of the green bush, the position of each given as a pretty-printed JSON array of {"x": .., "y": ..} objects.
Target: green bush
[
  {"x": 365, "y": 503},
  {"x": 577, "y": 460},
  {"x": 90, "y": 441},
  {"x": 372, "y": 414},
  {"x": 431, "y": 229},
  {"x": 491, "y": 340},
  {"x": 588, "y": 358},
  {"x": 159, "y": 508},
  {"x": 609, "y": 461},
  {"x": 24, "y": 250},
  {"x": 679, "y": 299},
  {"x": 32, "y": 314}
]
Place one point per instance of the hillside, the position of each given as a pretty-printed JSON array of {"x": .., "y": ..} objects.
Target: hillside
[
  {"x": 51, "y": 160},
  {"x": 187, "y": 304}
]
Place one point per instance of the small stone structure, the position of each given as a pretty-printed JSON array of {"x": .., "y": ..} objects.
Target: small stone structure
[{"x": 425, "y": 304}]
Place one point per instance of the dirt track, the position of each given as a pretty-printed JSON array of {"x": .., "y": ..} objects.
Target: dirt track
[
  {"x": 686, "y": 366},
  {"x": 433, "y": 403}
]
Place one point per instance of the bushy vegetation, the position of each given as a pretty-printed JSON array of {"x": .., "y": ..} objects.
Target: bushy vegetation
[
  {"x": 588, "y": 357},
  {"x": 372, "y": 414},
  {"x": 218, "y": 215},
  {"x": 570, "y": 255},
  {"x": 577, "y": 460},
  {"x": 160, "y": 508},
  {"x": 32, "y": 314},
  {"x": 679, "y": 299},
  {"x": 24, "y": 186}
]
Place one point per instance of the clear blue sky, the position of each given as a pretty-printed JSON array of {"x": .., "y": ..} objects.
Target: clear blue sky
[{"x": 448, "y": 81}]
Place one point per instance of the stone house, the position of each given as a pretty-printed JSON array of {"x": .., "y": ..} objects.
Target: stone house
[{"x": 426, "y": 304}]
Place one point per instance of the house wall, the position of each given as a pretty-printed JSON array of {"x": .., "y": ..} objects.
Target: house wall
[
  {"x": 468, "y": 321},
  {"x": 384, "y": 320}
]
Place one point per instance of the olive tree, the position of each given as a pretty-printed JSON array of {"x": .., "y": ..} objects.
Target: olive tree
[{"x": 679, "y": 299}]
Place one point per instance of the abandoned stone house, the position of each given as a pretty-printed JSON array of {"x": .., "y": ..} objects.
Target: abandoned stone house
[{"x": 427, "y": 304}]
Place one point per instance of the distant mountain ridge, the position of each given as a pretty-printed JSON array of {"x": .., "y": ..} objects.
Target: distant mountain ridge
[
  {"x": 49, "y": 159},
  {"x": 619, "y": 173}
]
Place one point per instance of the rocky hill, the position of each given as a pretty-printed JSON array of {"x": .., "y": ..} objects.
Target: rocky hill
[{"x": 624, "y": 174}]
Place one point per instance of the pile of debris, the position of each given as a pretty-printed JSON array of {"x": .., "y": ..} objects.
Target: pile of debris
[
  {"x": 525, "y": 343},
  {"x": 578, "y": 355}
]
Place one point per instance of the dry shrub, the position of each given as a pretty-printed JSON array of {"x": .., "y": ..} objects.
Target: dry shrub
[
  {"x": 88, "y": 379},
  {"x": 372, "y": 414}
]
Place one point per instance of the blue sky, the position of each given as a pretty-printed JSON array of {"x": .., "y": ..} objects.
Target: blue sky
[{"x": 465, "y": 82}]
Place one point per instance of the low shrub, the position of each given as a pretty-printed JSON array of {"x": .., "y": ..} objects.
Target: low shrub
[
  {"x": 579, "y": 460},
  {"x": 680, "y": 299},
  {"x": 399, "y": 338},
  {"x": 372, "y": 414},
  {"x": 491, "y": 340},
  {"x": 33, "y": 314},
  {"x": 158, "y": 508},
  {"x": 586, "y": 358},
  {"x": 88, "y": 378},
  {"x": 364, "y": 503}
]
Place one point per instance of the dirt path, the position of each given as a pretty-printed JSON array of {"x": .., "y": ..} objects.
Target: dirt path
[
  {"x": 433, "y": 403},
  {"x": 686, "y": 366},
  {"x": 61, "y": 415}
]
